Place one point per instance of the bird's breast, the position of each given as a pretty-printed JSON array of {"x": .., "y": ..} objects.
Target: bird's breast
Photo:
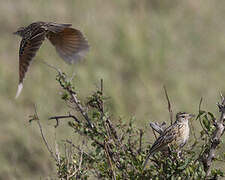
[{"x": 183, "y": 133}]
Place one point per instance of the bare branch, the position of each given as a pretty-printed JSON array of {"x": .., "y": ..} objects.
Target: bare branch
[
  {"x": 63, "y": 117},
  {"x": 209, "y": 155},
  {"x": 73, "y": 95},
  {"x": 81, "y": 156},
  {"x": 109, "y": 160},
  {"x": 199, "y": 117},
  {"x": 154, "y": 133},
  {"x": 159, "y": 128},
  {"x": 51, "y": 66},
  {"x": 169, "y": 105},
  {"x": 42, "y": 134},
  {"x": 81, "y": 109},
  {"x": 57, "y": 152},
  {"x": 102, "y": 104},
  {"x": 140, "y": 140},
  {"x": 78, "y": 148},
  {"x": 112, "y": 129}
]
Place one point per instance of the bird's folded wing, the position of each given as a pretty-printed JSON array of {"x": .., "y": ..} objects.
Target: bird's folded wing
[
  {"x": 164, "y": 139},
  {"x": 70, "y": 44}
]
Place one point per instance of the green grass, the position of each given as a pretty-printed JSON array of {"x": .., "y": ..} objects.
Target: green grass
[{"x": 136, "y": 47}]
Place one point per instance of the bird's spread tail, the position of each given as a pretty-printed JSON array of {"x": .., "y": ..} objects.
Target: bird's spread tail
[{"x": 20, "y": 87}]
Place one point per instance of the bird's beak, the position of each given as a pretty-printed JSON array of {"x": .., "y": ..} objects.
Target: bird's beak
[{"x": 191, "y": 115}]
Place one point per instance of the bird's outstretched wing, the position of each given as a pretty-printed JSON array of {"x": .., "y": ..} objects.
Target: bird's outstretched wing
[
  {"x": 55, "y": 27},
  {"x": 28, "y": 48},
  {"x": 70, "y": 44}
]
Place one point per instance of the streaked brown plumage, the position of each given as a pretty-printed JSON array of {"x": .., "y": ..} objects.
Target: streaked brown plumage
[
  {"x": 70, "y": 44},
  {"x": 177, "y": 133}
]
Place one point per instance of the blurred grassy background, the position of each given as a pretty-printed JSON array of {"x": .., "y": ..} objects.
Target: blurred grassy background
[{"x": 136, "y": 47}]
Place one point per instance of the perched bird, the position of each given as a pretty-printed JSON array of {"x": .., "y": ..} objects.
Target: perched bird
[
  {"x": 70, "y": 44},
  {"x": 177, "y": 133}
]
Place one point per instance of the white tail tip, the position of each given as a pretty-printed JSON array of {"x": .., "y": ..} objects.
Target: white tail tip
[{"x": 19, "y": 89}]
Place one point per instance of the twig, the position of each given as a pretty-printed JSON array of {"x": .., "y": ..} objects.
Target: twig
[
  {"x": 81, "y": 157},
  {"x": 154, "y": 133},
  {"x": 193, "y": 132},
  {"x": 94, "y": 139},
  {"x": 72, "y": 175},
  {"x": 209, "y": 155},
  {"x": 81, "y": 109},
  {"x": 101, "y": 86},
  {"x": 66, "y": 155},
  {"x": 63, "y": 117},
  {"x": 169, "y": 105},
  {"x": 110, "y": 161},
  {"x": 140, "y": 140},
  {"x": 112, "y": 129},
  {"x": 57, "y": 152},
  {"x": 159, "y": 128},
  {"x": 199, "y": 117},
  {"x": 102, "y": 104},
  {"x": 42, "y": 134},
  {"x": 70, "y": 142},
  {"x": 51, "y": 66},
  {"x": 73, "y": 95}
]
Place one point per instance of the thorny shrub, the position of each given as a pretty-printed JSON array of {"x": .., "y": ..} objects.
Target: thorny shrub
[{"x": 114, "y": 149}]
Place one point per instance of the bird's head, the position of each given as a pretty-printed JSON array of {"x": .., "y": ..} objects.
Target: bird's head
[
  {"x": 183, "y": 116},
  {"x": 20, "y": 31}
]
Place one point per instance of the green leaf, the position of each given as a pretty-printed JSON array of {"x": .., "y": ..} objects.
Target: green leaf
[
  {"x": 206, "y": 122},
  {"x": 98, "y": 150},
  {"x": 186, "y": 162},
  {"x": 201, "y": 112},
  {"x": 211, "y": 115}
]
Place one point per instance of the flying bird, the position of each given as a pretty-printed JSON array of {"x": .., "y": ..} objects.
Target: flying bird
[{"x": 70, "y": 44}]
